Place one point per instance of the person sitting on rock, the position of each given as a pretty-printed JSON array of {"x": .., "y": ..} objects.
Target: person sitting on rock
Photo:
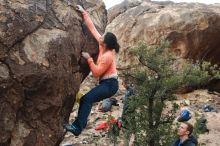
[
  {"x": 129, "y": 91},
  {"x": 185, "y": 138},
  {"x": 104, "y": 69}
]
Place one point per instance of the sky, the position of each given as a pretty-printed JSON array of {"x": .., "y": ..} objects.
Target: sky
[{"x": 110, "y": 3}]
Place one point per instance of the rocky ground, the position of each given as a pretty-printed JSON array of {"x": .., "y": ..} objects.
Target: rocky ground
[{"x": 196, "y": 101}]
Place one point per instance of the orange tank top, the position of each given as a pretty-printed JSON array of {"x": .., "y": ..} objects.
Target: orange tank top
[{"x": 106, "y": 63}]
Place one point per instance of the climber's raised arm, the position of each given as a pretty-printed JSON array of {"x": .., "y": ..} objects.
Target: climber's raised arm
[{"x": 89, "y": 22}]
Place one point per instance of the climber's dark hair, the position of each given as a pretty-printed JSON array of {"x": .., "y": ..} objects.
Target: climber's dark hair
[{"x": 111, "y": 41}]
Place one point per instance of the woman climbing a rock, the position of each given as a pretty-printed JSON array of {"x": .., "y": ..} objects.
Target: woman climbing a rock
[{"x": 104, "y": 69}]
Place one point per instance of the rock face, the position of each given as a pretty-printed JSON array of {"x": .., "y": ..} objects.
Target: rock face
[
  {"x": 192, "y": 28},
  {"x": 41, "y": 66}
]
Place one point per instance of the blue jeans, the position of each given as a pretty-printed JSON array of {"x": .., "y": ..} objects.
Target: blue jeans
[{"x": 105, "y": 89}]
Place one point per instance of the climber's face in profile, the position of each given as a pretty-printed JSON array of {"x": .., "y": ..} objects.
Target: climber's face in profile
[{"x": 101, "y": 40}]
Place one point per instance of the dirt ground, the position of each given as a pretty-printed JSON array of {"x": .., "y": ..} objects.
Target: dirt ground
[{"x": 198, "y": 98}]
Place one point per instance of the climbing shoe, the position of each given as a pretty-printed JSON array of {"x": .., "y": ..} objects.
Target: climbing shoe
[{"x": 72, "y": 129}]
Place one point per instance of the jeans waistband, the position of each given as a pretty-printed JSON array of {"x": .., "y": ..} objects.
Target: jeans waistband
[
  {"x": 114, "y": 76},
  {"x": 106, "y": 80}
]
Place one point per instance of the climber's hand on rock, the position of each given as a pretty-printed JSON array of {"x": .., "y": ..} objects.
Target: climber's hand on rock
[
  {"x": 80, "y": 8},
  {"x": 85, "y": 55}
]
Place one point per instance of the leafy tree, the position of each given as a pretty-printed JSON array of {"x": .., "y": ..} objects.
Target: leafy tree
[{"x": 157, "y": 75}]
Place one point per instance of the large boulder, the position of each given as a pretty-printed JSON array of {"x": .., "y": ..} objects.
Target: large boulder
[
  {"x": 41, "y": 66},
  {"x": 192, "y": 28}
]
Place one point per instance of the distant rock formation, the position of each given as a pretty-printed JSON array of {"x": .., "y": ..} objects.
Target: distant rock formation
[
  {"x": 192, "y": 28},
  {"x": 41, "y": 66}
]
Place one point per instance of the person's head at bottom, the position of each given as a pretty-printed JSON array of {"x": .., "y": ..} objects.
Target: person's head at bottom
[
  {"x": 185, "y": 135},
  {"x": 185, "y": 129}
]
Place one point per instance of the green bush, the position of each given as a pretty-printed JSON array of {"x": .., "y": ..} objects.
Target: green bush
[{"x": 157, "y": 75}]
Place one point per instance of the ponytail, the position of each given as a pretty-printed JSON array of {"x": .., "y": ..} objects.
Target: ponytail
[{"x": 117, "y": 47}]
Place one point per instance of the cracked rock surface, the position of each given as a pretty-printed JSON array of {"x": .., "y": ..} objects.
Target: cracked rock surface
[
  {"x": 41, "y": 66},
  {"x": 192, "y": 28}
]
